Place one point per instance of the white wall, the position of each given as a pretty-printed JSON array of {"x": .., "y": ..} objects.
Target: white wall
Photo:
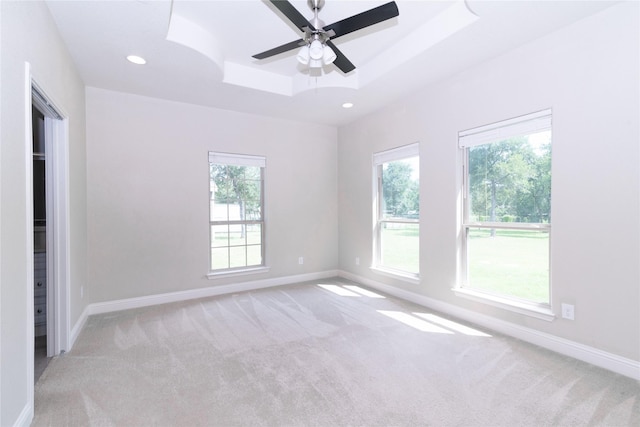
[
  {"x": 148, "y": 193},
  {"x": 588, "y": 74},
  {"x": 29, "y": 34}
]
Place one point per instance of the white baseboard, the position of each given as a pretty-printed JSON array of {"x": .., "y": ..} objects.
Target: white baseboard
[
  {"x": 149, "y": 300},
  {"x": 26, "y": 416},
  {"x": 78, "y": 326},
  {"x": 594, "y": 356}
]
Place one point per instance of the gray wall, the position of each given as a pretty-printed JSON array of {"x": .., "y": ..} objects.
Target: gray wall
[
  {"x": 29, "y": 34},
  {"x": 148, "y": 201},
  {"x": 588, "y": 74}
]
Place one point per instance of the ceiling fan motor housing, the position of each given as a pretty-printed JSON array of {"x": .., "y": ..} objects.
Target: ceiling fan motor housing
[{"x": 315, "y": 4}]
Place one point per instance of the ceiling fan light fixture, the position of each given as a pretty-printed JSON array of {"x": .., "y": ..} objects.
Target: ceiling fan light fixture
[
  {"x": 316, "y": 50},
  {"x": 328, "y": 55},
  {"x": 303, "y": 55},
  {"x": 315, "y": 63}
]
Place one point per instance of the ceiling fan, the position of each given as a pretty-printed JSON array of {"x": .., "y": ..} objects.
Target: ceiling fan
[{"x": 316, "y": 45}]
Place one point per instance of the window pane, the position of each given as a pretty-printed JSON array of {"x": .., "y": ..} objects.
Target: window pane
[
  {"x": 400, "y": 246},
  {"x": 237, "y": 235},
  {"x": 218, "y": 211},
  {"x": 254, "y": 255},
  {"x": 219, "y": 236},
  {"x": 510, "y": 181},
  {"x": 219, "y": 258},
  {"x": 252, "y": 172},
  {"x": 237, "y": 256},
  {"x": 509, "y": 262},
  {"x": 253, "y": 212},
  {"x": 401, "y": 189},
  {"x": 251, "y": 191},
  {"x": 225, "y": 212},
  {"x": 254, "y": 234}
]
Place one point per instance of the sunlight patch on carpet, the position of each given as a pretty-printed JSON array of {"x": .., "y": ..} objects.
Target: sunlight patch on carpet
[
  {"x": 414, "y": 322},
  {"x": 449, "y": 324},
  {"x": 365, "y": 292},
  {"x": 339, "y": 290}
]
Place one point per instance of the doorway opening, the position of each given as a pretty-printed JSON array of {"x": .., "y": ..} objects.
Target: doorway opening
[
  {"x": 49, "y": 147},
  {"x": 41, "y": 358}
]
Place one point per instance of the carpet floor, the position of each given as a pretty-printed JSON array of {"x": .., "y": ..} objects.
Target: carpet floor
[{"x": 327, "y": 353}]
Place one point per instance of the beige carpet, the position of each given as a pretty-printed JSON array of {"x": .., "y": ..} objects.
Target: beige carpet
[{"x": 314, "y": 355}]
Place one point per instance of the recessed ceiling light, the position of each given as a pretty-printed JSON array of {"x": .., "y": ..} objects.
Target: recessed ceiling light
[
  {"x": 136, "y": 59},
  {"x": 347, "y": 105}
]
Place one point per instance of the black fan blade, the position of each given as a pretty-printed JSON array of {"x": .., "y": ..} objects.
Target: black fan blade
[
  {"x": 341, "y": 61},
  {"x": 364, "y": 19},
  {"x": 292, "y": 13},
  {"x": 280, "y": 49}
]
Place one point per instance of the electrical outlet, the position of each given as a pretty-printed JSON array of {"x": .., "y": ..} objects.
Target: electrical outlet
[
  {"x": 357, "y": 260},
  {"x": 300, "y": 260},
  {"x": 568, "y": 311}
]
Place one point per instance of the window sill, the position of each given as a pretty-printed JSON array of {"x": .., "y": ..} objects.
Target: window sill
[
  {"x": 532, "y": 310},
  {"x": 405, "y": 277},
  {"x": 231, "y": 273}
]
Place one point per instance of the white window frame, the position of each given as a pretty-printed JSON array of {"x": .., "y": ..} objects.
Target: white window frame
[
  {"x": 380, "y": 158},
  {"x": 239, "y": 160},
  {"x": 496, "y": 132}
]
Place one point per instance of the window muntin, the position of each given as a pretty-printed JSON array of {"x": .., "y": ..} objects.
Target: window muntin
[
  {"x": 236, "y": 206},
  {"x": 397, "y": 230},
  {"x": 507, "y": 209}
]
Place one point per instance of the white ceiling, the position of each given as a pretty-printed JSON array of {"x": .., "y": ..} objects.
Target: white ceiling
[{"x": 200, "y": 52}]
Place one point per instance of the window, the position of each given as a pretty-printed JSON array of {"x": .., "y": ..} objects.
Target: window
[
  {"x": 236, "y": 209},
  {"x": 507, "y": 209},
  {"x": 397, "y": 211}
]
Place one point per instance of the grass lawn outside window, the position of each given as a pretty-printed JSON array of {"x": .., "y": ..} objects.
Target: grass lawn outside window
[{"x": 513, "y": 262}]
